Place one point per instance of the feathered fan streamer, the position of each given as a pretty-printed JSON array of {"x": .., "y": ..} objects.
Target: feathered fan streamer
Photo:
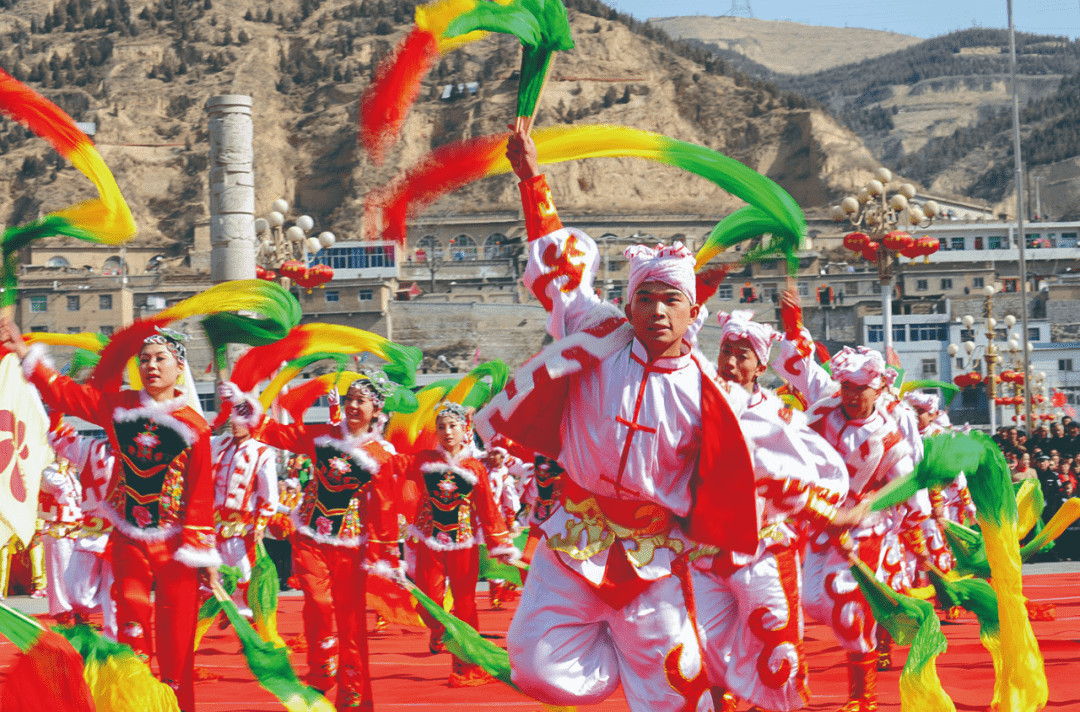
[
  {"x": 295, "y": 367},
  {"x": 297, "y": 400},
  {"x": 105, "y": 219},
  {"x": 280, "y": 310},
  {"x": 770, "y": 211},
  {"x": 415, "y": 431},
  {"x": 250, "y": 295}
]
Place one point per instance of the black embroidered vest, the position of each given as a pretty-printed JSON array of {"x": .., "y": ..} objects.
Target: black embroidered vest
[{"x": 153, "y": 481}]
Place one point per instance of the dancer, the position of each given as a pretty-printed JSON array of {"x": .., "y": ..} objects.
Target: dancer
[
  {"x": 851, "y": 415},
  {"x": 347, "y": 512},
  {"x": 625, "y": 405},
  {"x": 750, "y": 606},
  {"x": 246, "y": 496},
  {"x": 90, "y": 573},
  {"x": 455, "y": 506},
  {"x": 58, "y": 508},
  {"x": 160, "y": 499}
]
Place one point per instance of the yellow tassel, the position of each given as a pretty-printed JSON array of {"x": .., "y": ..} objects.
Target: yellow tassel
[
  {"x": 923, "y": 692},
  {"x": 1023, "y": 685},
  {"x": 123, "y": 683}
]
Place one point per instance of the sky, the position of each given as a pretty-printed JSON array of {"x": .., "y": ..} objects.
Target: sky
[{"x": 921, "y": 18}]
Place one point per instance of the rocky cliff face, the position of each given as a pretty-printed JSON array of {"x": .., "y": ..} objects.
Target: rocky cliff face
[{"x": 142, "y": 74}]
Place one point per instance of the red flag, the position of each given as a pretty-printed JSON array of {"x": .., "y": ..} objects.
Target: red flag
[
  {"x": 891, "y": 358},
  {"x": 1070, "y": 411}
]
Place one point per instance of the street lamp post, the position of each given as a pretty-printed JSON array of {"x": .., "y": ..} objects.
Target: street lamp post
[
  {"x": 991, "y": 354},
  {"x": 279, "y": 244},
  {"x": 880, "y": 215}
]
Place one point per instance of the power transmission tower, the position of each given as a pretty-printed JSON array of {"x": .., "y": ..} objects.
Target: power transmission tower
[{"x": 740, "y": 8}]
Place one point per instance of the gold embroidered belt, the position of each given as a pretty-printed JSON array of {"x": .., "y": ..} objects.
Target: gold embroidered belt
[{"x": 605, "y": 519}]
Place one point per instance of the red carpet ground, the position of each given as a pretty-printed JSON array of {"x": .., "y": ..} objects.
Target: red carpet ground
[{"x": 407, "y": 677}]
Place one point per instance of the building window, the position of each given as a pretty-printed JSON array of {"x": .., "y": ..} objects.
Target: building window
[
  {"x": 104, "y": 302},
  {"x": 366, "y": 295},
  {"x": 929, "y": 367},
  {"x": 768, "y": 291},
  {"x": 1010, "y": 285},
  {"x": 39, "y": 303},
  {"x": 428, "y": 248},
  {"x": 1033, "y": 333},
  {"x": 38, "y": 329},
  {"x": 1065, "y": 364},
  {"x": 726, "y": 292},
  {"x": 462, "y": 248},
  {"x": 107, "y": 330},
  {"x": 495, "y": 247},
  {"x": 967, "y": 334},
  {"x": 978, "y": 243},
  {"x": 363, "y": 257},
  {"x": 1068, "y": 239},
  {"x": 74, "y": 330},
  {"x": 994, "y": 242},
  {"x": 851, "y": 287},
  {"x": 333, "y": 295},
  {"x": 875, "y": 333},
  {"x": 771, "y": 264},
  {"x": 112, "y": 267},
  {"x": 804, "y": 289},
  {"x": 929, "y": 332},
  {"x": 899, "y": 332},
  {"x": 614, "y": 294},
  {"x": 957, "y": 243},
  {"x": 959, "y": 364},
  {"x": 921, "y": 285},
  {"x": 946, "y": 284},
  {"x": 206, "y": 401},
  {"x": 73, "y": 303},
  {"x": 57, "y": 261},
  {"x": 977, "y": 282}
]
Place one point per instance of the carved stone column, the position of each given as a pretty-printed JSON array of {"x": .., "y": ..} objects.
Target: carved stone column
[{"x": 232, "y": 188}]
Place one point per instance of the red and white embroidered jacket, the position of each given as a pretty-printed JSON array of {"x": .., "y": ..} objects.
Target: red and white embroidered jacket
[
  {"x": 876, "y": 450},
  {"x": 58, "y": 499},
  {"x": 161, "y": 488},
  {"x": 245, "y": 485},
  {"x": 349, "y": 500},
  {"x": 661, "y": 433},
  {"x": 94, "y": 460},
  {"x": 456, "y": 503}
]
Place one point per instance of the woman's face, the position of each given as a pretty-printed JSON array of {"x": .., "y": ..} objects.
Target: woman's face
[
  {"x": 359, "y": 410},
  {"x": 158, "y": 368}
]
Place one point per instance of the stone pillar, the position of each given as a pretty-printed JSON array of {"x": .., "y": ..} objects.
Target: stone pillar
[{"x": 232, "y": 188}]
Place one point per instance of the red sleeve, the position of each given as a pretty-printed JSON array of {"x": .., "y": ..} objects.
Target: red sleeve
[
  {"x": 65, "y": 395},
  {"x": 382, "y": 519},
  {"x": 491, "y": 520},
  {"x": 541, "y": 218},
  {"x": 296, "y": 438},
  {"x": 198, "y": 545}
]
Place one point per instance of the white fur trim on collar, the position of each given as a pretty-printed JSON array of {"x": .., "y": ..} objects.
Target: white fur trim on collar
[
  {"x": 197, "y": 558},
  {"x": 158, "y": 412},
  {"x": 38, "y": 354},
  {"x": 354, "y": 448},
  {"x": 465, "y": 474},
  {"x": 436, "y": 545}
]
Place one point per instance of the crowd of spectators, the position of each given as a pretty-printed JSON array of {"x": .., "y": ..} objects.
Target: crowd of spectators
[{"x": 1052, "y": 456}]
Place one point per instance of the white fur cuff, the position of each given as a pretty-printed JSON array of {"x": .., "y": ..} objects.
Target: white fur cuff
[
  {"x": 510, "y": 550},
  {"x": 38, "y": 354},
  {"x": 197, "y": 558},
  {"x": 385, "y": 570},
  {"x": 254, "y": 417}
]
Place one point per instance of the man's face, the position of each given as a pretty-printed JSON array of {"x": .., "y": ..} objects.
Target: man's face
[
  {"x": 1012, "y": 434},
  {"x": 660, "y": 315},
  {"x": 1058, "y": 430},
  {"x": 858, "y": 401},
  {"x": 496, "y": 459},
  {"x": 1073, "y": 430},
  {"x": 738, "y": 363},
  {"x": 925, "y": 418},
  {"x": 1042, "y": 465}
]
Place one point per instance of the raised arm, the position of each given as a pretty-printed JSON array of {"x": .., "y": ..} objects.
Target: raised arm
[
  {"x": 795, "y": 363},
  {"x": 562, "y": 263}
]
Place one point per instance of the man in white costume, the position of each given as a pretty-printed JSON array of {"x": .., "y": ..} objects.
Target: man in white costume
[
  {"x": 245, "y": 497},
  {"x": 653, "y": 456},
  {"x": 58, "y": 509},
  {"x": 853, "y": 411},
  {"x": 89, "y": 576},
  {"x": 750, "y": 607}
]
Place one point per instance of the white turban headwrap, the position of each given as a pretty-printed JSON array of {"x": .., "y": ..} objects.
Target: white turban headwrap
[
  {"x": 861, "y": 366},
  {"x": 924, "y": 402},
  {"x": 740, "y": 324},
  {"x": 672, "y": 265}
]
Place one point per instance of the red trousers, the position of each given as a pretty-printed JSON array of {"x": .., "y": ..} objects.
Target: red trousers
[
  {"x": 333, "y": 581},
  {"x": 462, "y": 568},
  {"x": 139, "y": 567}
]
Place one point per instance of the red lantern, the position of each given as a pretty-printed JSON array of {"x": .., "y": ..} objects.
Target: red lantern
[
  {"x": 321, "y": 274},
  {"x": 897, "y": 240},
  {"x": 856, "y": 241},
  {"x": 870, "y": 251},
  {"x": 911, "y": 252},
  {"x": 962, "y": 380},
  {"x": 928, "y": 245},
  {"x": 975, "y": 378},
  {"x": 292, "y": 269}
]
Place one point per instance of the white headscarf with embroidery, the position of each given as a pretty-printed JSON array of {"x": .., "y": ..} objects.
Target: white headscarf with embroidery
[
  {"x": 672, "y": 265},
  {"x": 922, "y": 402},
  {"x": 740, "y": 324},
  {"x": 861, "y": 366}
]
